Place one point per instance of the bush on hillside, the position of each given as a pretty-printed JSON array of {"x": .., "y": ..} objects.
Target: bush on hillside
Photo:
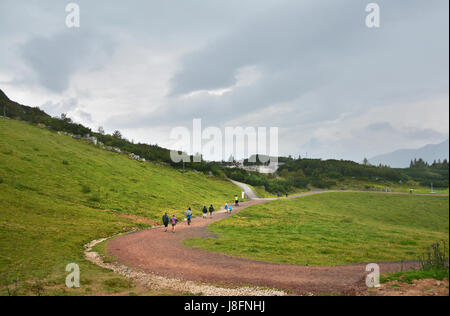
[{"x": 85, "y": 189}]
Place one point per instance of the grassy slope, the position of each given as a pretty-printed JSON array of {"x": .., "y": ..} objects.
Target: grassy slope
[
  {"x": 53, "y": 193},
  {"x": 333, "y": 229}
]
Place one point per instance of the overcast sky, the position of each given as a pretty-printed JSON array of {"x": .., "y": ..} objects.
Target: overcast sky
[{"x": 335, "y": 88}]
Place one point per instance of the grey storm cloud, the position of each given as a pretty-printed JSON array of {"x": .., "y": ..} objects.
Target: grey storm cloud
[
  {"x": 311, "y": 38},
  {"x": 55, "y": 53},
  {"x": 309, "y": 67},
  {"x": 63, "y": 106},
  {"x": 320, "y": 57},
  {"x": 54, "y": 60},
  {"x": 278, "y": 40}
]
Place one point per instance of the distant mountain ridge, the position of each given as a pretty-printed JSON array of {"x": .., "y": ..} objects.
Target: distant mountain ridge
[{"x": 402, "y": 158}]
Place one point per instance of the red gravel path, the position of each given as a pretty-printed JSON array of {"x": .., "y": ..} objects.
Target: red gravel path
[{"x": 164, "y": 254}]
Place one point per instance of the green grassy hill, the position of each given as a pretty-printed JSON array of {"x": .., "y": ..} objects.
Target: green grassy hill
[
  {"x": 57, "y": 193},
  {"x": 333, "y": 229}
]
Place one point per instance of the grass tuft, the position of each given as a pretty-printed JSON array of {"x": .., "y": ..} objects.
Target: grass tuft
[
  {"x": 413, "y": 275},
  {"x": 85, "y": 189}
]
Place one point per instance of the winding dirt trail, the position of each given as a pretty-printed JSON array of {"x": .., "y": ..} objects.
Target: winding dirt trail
[{"x": 164, "y": 254}]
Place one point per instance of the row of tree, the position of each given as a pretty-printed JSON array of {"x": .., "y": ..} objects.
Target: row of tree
[{"x": 422, "y": 164}]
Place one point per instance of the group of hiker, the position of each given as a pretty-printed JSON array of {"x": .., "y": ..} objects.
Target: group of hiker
[
  {"x": 205, "y": 211},
  {"x": 166, "y": 220},
  {"x": 188, "y": 213}
]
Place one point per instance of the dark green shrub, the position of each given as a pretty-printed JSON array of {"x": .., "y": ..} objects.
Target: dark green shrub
[
  {"x": 94, "y": 199},
  {"x": 435, "y": 258},
  {"x": 300, "y": 182},
  {"x": 85, "y": 189}
]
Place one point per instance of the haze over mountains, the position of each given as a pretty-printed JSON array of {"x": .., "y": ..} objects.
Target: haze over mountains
[{"x": 402, "y": 158}]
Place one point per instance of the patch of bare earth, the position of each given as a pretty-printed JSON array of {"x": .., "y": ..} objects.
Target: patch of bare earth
[{"x": 426, "y": 287}]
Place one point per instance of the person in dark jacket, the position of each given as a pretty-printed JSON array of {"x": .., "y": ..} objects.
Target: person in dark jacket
[
  {"x": 165, "y": 220},
  {"x": 205, "y": 212},
  {"x": 211, "y": 210}
]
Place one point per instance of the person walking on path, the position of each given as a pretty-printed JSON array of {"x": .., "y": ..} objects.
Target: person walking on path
[
  {"x": 174, "y": 221},
  {"x": 205, "y": 212},
  {"x": 226, "y": 207},
  {"x": 287, "y": 195},
  {"x": 236, "y": 200},
  {"x": 211, "y": 210},
  {"x": 230, "y": 209},
  {"x": 188, "y": 214},
  {"x": 166, "y": 221}
]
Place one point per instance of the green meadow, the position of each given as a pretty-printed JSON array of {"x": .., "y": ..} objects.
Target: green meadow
[
  {"x": 358, "y": 184},
  {"x": 333, "y": 229},
  {"x": 57, "y": 194}
]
